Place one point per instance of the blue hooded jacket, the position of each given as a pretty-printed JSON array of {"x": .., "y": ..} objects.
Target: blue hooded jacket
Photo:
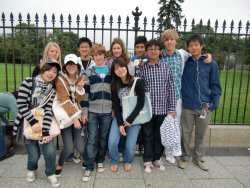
[{"x": 200, "y": 83}]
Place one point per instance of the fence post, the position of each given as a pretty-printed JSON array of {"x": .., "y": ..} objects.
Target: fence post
[{"x": 136, "y": 15}]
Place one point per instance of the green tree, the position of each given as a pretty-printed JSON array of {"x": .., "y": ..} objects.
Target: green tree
[
  {"x": 28, "y": 42},
  {"x": 223, "y": 47},
  {"x": 169, "y": 14}
]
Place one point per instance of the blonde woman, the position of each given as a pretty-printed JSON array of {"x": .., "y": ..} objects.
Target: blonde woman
[{"x": 51, "y": 51}]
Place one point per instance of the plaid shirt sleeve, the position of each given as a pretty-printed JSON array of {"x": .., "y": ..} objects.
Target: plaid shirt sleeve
[{"x": 171, "y": 92}]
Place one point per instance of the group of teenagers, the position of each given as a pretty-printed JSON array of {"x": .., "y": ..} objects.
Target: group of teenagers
[{"x": 184, "y": 86}]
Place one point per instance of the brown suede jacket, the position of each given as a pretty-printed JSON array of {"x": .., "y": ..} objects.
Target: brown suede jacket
[{"x": 63, "y": 96}]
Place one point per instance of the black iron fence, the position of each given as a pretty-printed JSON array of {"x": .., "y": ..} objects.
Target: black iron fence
[{"x": 22, "y": 41}]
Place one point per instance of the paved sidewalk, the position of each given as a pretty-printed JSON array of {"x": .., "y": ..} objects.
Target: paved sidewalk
[{"x": 224, "y": 171}]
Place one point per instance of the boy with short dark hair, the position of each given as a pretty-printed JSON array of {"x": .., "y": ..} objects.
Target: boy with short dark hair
[
  {"x": 140, "y": 48},
  {"x": 139, "y": 58},
  {"x": 201, "y": 92},
  {"x": 83, "y": 46},
  {"x": 158, "y": 80}
]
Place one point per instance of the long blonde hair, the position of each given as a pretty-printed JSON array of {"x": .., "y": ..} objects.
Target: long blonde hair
[{"x": 45, "y": 54}]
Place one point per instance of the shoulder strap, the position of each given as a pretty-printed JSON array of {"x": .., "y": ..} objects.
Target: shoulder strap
[
  {"x": 32, "y": 91},
  {"x": 44, "y": 102},
  {"x": 133, "y": 86},
  {"x": 33, "y": 85}
]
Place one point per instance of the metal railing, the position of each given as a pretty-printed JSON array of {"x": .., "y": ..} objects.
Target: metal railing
[{"x": 22, "y": 43}]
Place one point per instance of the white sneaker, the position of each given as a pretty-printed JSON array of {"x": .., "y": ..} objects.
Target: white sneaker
[
  {"x": 31, "y": 176},
  {"x": 86, "y": 176},
  {"x": 137, "y": 149},
  {"x": 170, "y": 159},
  {"x": 159, "y": 165},
  {"x": 54, "y": 182},
  {"x": 148, "y": 166},
  {"x": 76, "y": 160},
  {"x": 120, "y": 157},
  {"x": 100, "y": 167}
]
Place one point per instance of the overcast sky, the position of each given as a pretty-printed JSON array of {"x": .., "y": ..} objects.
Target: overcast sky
[
  {"x": 205, "y": 9},
  {"x": 198, "y": 9}
]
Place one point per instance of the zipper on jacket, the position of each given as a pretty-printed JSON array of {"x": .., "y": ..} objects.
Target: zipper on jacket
[
  {"x": 197, "y": 83},
  {"x": 102, "y": 91},
  {"x": 102, "y": 84}
]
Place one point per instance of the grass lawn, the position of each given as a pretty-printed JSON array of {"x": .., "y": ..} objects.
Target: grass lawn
[
  {"x": 235, "y": 101},
  {"x": 235, "y": 98},
  {"x": 15, "y": 76}
]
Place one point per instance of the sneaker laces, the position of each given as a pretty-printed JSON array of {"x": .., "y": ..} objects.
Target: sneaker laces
[
  {"x": 53, "y": 179},
  {"x": 149, "y": 164},
  {"x": 100, "y": 165},
  {"x": 30, "y": 173},
  {"x": 87, "y": 173},
  {"x": 159, "y": 162},
  {"x": 76, "y": 160}
]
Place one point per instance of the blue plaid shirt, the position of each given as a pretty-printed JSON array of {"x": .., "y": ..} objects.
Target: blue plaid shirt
[
  {"x": 175, "y": 62},
  {"x": 158, "y": 81}
]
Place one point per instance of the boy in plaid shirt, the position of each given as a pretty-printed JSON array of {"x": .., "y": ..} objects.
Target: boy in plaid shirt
[{"x": 158, "y": 80}]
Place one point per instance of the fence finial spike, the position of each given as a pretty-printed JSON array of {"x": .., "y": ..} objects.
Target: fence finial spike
[
  {"x": 208, "y": 22},
  {"x": 103, "y": 19},
  {"x": 111, "y": 19},
  {"x": 127, "y": 20},
  {"x": 28, "y": 18},
  {"x": 20, "y": 16},
  {"x": 3, "y": 16},
  {"x": 11, "y": 17}
]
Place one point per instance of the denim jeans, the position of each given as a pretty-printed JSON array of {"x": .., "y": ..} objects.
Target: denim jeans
[
  {"x": 131, "y": 138},
  {"x": 49, "y": 153},
  {"x": 3, "y": 149},
  {"x": 71, "y": 136},
  {"x": 98, "y": 127}
]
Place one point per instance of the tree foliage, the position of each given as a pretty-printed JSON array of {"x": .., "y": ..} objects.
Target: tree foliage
[
  {"x": 25, "y": 44},
  {"x": 169, "y": 14},
  {"x": 228, "y": 50}
]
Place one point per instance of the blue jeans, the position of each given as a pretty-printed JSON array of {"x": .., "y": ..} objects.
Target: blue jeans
[
  {"x": 98, "y": 127},
  {"x": 131, "y": 138},
  {"x": 49, "y": 153},
  {"x": 3, "y": 149}
]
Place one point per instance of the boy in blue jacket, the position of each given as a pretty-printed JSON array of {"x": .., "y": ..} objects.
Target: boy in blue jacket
[{"x": 201, "y": 92}]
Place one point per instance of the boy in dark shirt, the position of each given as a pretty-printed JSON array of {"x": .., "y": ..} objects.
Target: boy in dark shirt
[{"x": 84, "y": 45}]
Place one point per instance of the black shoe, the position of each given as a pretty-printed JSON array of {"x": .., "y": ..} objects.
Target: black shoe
[
  {"x": 58, "y": 172},
  {"x": 8, "y": 155}
]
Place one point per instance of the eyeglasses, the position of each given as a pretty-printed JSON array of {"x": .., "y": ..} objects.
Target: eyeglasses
[{"x": 153, "y": 50}]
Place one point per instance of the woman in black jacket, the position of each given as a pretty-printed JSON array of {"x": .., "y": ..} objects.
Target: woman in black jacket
[{"x": 121, "y": 86}]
